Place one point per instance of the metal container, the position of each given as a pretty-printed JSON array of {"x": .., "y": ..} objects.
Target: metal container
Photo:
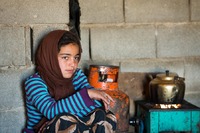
[
  {"x": 167, "y": 88},
  {"x": 106, "y": 78}
]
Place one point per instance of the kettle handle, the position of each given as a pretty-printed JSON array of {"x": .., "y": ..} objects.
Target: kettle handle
[
  {"x": 180, "y": 78},
  {"x": 150, "y": 76}
]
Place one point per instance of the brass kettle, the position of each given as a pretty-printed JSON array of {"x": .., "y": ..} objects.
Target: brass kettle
[{"x": 167, "y": 88}]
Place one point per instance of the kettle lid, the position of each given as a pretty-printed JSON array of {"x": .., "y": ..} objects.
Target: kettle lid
[{"x": 167, "y": 76}]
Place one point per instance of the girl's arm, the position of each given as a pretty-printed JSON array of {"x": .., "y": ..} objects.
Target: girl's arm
[
  {"x": 81, "y": 81},
  {"x": 37, "y": 94}
]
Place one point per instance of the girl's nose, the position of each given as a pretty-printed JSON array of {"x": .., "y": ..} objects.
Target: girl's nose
[{"x": 72, "y": 62}]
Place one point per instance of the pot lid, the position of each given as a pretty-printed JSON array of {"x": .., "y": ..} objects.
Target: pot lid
[{"x": 167, "y": 76}]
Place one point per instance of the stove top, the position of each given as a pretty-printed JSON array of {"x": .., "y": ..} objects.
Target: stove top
[
  {"x": 152, "y": 119},
  {"x": 154, "y": 107}
]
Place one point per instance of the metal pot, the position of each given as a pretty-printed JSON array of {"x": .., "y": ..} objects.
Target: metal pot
[{"x": 167, "y": 88}]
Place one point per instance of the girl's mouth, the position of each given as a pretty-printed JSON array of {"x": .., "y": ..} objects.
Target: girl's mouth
[{"x": 69, "y": 71}]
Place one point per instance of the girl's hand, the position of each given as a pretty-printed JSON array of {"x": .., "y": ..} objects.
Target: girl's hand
[{"x": 100, "y": 95}]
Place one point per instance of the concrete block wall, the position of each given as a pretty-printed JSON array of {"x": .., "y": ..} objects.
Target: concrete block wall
[
  {"x": 148, "y": 37},
  {"x": 139, "y": 36}
]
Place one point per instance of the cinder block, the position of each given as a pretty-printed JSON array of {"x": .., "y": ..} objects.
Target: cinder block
[
  {"x": 85, "y": 44},
  {"x": 34, "y": 12},
  {"x": 38, "y": 32},
  {"x": 123, "y": 42},
  {"x": 193, "y": 97},
  {"x": 132, "y": 84},
  {"x": 178, "y": 40},
  {"x": 12, "y": 105},
  {"x": 12, "y": 121},
  {"x": 12, "y": 46},
  {"x": 12, "y": 89},
  {"x": 101, "y": 11},
  {"x": 156, "y": 11},
  {"x": 192, "y": 74},
  {"x": 154, "y": 66},
  {"x": 195, "y": 10}
]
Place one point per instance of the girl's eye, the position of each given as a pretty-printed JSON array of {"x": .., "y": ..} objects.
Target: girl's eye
[
  {"x": 65, "y": 57},
  {"x": 77, "y": 58}
]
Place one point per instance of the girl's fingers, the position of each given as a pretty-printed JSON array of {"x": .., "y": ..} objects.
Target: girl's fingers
[
  {"x": 101, "y": 95},
  {"x": 106, "y": 106},
  {"x": 107, "y": 97},
  {"x": 106, "y": 100}
]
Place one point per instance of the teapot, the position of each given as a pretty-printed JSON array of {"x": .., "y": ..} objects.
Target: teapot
[{"x": 167, "y": 88}]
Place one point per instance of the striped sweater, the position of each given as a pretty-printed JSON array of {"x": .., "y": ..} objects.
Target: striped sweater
[{"x": 39, "y": 103}]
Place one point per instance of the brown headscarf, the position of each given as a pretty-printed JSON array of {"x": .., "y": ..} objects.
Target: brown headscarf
[{"x": 48, "y": 66}]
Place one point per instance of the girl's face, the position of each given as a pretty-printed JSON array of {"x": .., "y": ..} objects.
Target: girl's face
[{"x": 68, "y": 58}]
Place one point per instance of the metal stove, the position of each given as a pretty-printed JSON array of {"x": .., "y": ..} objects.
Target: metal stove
[{"x": 153, "y": 119}]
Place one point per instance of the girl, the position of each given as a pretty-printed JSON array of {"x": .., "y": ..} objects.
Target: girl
[{"x": 58, "y": 95}]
